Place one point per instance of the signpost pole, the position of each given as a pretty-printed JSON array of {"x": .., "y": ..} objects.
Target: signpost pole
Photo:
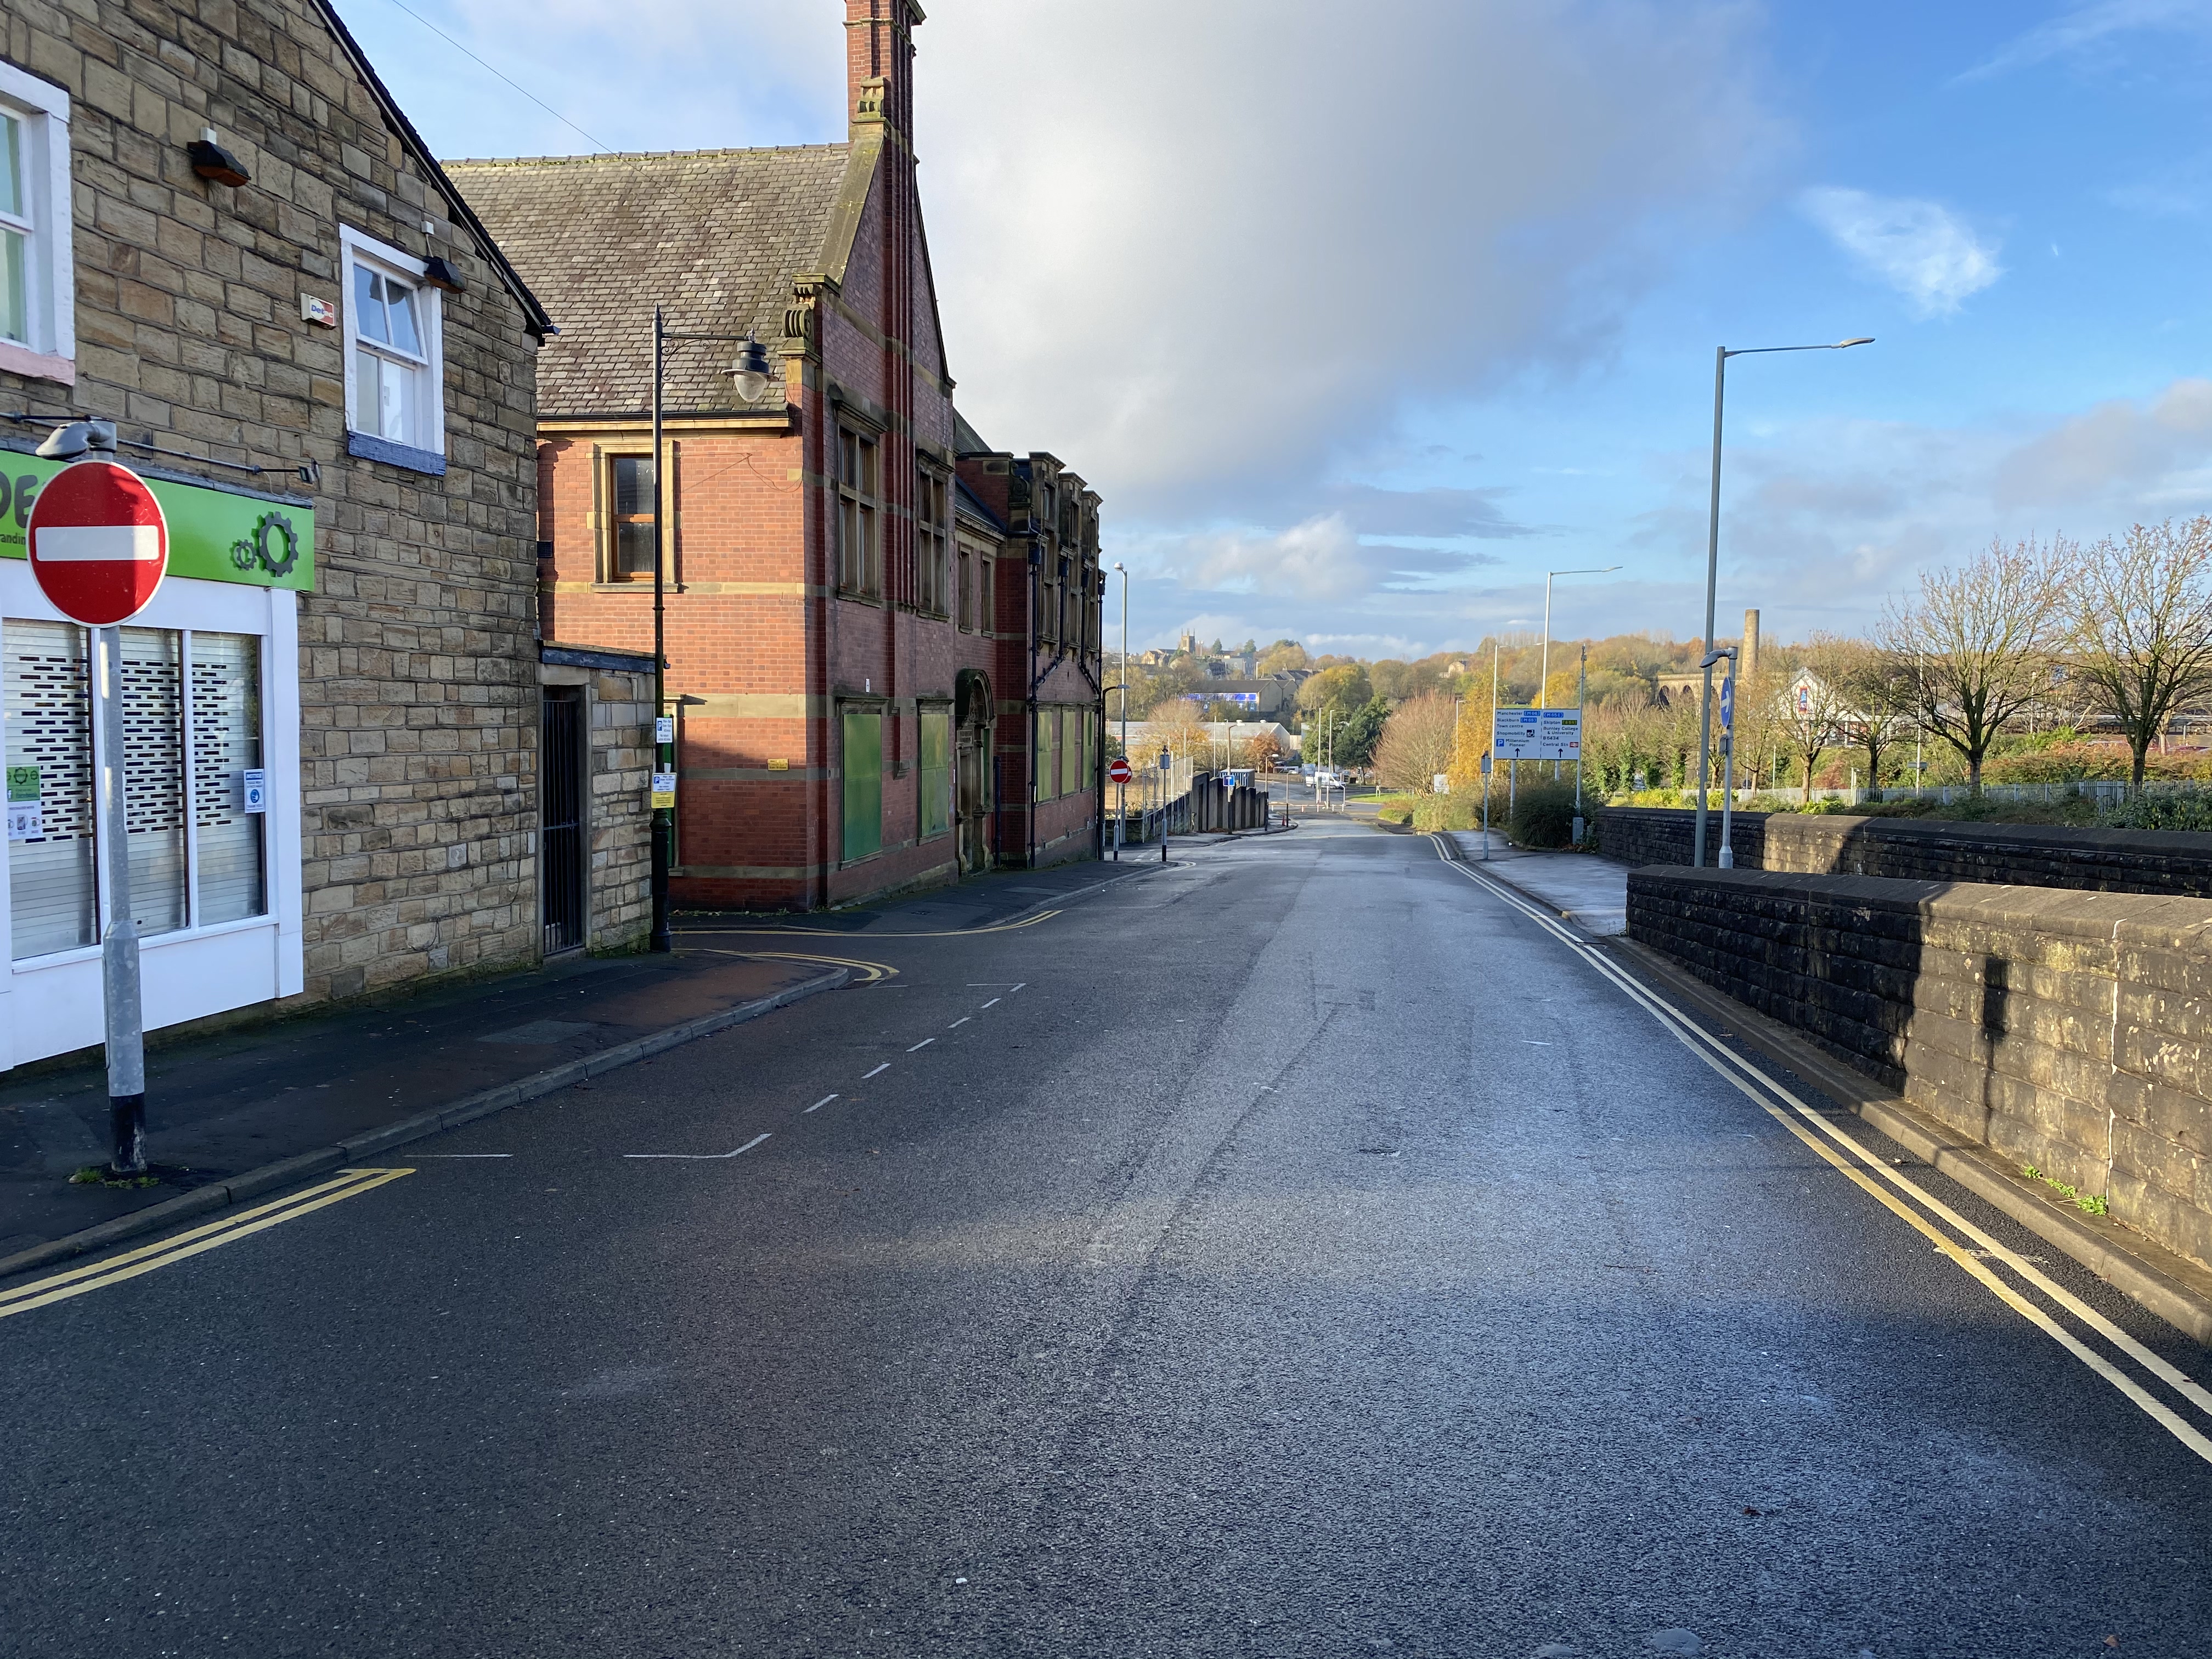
[
  {"x": 1727, "y": 769},
  {"x": 98, "y": 546},
  {"x": 1582, "y": 703},
  {"x": 119, "y": 947}
]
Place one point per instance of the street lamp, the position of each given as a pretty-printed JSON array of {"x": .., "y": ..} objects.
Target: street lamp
[
  {"x": 750, "y": 374},
  {"x": 1121, "y": 790},
  {"x": 1721, "y": 354},
  {"x": 1544, "y": 674}
]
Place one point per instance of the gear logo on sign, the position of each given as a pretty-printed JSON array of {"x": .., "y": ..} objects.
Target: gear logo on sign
[{"x": 248, "y": 551}]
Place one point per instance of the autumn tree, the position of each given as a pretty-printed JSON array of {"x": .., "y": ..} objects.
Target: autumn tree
[
  {"x": 1980, "y": 639},
  {"x": 2139, "y": 611},
  {"x": 1416, "y": 744}
]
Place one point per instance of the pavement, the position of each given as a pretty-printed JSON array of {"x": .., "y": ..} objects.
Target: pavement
[
  {"x": 225, "y": 1105},
  {"x": 1299, "y": 1250},
  {"x": 1588, "y": 891}
]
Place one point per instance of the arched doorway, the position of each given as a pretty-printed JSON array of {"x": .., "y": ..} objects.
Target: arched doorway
[{"x": 974, "y": 714}]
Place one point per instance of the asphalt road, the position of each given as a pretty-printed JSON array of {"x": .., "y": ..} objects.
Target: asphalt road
[{"x": 1297, "y": 1250}]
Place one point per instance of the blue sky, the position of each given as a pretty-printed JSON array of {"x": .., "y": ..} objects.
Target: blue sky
[{"x": 1361, "y": 317}]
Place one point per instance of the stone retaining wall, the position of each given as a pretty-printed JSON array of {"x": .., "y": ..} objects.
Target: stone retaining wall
[
  {"x": 2064, "y": 1029},
  {"x": 1924, "y": 849}
]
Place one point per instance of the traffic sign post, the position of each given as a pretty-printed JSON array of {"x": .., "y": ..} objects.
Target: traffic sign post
[
  {"x": 1728, "y": 770},
  {"x": 99, "y": 547},
  {"x": 1118, "y": 770}
]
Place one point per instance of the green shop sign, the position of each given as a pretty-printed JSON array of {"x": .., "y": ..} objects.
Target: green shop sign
[{"x": 215, "y": 536}]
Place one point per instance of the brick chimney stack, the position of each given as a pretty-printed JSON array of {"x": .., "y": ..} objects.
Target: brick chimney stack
[
  {"x": 879, "y": 66},
  {"x": 1746, "y": 665}
]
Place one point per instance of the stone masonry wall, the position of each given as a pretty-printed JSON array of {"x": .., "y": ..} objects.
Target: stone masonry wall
[
  {"x": 621, "y": 812},
  {"x": 418, "y": 690},
  {"x": 1924, "y": 849},
  {"x": 2067, "y": 1029}
]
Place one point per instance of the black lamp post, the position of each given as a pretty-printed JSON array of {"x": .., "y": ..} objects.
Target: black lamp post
[{"x": 751, "y": 375}]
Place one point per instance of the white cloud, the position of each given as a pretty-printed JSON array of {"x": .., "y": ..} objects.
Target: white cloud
[
  {"x": 1919, "y": 248},
  {"x": 1198, "y": 274},
  {"x": 1825, "y": 521},
  {"x": 2089, "y": 28}
]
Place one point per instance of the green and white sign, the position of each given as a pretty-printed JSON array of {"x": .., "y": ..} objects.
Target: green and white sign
[{"x": 215, "y": 536}]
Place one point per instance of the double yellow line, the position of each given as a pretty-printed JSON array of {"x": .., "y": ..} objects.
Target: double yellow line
[
  {"x": 348, "y": 1184},
  {"x": 1919, "y": 1209}
]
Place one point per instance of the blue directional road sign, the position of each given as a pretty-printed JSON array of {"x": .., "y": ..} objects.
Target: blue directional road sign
[{"x": 1728, "y": 704}]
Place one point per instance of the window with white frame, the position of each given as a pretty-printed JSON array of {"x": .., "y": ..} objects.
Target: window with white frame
[
  {"x": 37, "y": 282},
  {"x": 395, "y": 385}
]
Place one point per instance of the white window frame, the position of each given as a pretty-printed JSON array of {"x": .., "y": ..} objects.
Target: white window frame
[
  {"x": 50, "y": 1004},
  {"x": 50, "y": 271},
  {"x": 358, "y": 247}
]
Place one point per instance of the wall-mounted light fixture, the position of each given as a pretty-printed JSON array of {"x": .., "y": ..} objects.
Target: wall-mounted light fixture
[
  {"x": 211, "y": 162},
  {"x": 439, "y": 274}
]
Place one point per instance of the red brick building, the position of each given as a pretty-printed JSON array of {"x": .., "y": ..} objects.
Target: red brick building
[{"x": 883, "y": 636}]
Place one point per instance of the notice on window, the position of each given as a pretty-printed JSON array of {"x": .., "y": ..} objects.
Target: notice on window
[
  {"x": 663, "y": 790},
  {"x": 253, "y": 789},
  {"x": 25, "y": 820}
]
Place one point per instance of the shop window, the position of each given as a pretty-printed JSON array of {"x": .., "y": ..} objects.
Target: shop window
[
  {"x": 191, "y": 716},
  {"x": 860, "y": 569},
  {"x": 37, "y": 279},
  {"x": 632, "y": 503},
  {"x": 395, "y": 389},
  {"x": 936, "y": 754},
  {"x": 862, "y": 763},
  {"x": 231, "y": 856}
]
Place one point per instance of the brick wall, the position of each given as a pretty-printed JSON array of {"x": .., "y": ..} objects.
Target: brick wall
[
  {"x": 1921, "y": 849},
  {"x": 418, "y": 694},
  {"x": 2064, "y": 1029}
]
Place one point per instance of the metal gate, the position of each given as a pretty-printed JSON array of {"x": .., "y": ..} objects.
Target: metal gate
[{"x": 561, "y": 819}]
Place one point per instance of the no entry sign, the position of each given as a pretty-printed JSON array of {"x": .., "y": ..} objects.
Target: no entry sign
[
  {"x": 1118, "y": 770},
  {"x": 99, "y": 544}
]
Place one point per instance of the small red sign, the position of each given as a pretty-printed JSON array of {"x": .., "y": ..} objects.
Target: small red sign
[
  {"x": 1119, "y": 771},
  {"x": 99, "y": 544}
]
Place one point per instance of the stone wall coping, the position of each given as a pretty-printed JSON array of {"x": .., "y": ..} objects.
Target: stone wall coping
[
  {"x": 2136, "y": 919},
  {"x": 2045, "y": 837}
]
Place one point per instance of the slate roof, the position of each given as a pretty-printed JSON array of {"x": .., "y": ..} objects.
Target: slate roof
[{"x": 713, "y": 236}]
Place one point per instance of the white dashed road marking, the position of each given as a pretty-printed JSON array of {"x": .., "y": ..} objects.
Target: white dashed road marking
[
  {"x": 703, "y": 1156},
  {"x": 885, "y": 1066}
]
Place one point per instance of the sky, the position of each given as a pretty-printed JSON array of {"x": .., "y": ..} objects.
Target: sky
[{"x": 1363, "y": 317}]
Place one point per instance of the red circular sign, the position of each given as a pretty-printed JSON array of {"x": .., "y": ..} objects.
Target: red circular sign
[
  {"x": 1119, "y": 771},
  {"x": 99, "y": 544}
]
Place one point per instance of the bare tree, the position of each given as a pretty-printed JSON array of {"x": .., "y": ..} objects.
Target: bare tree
[
  {"x": 1810, "y": 716},
  {"x": 1979, "y": 640},
  {"x": 1417, "y": 742},
  {"x": 2141, "y": 615},
  {"x": 1876, "y": 690}
]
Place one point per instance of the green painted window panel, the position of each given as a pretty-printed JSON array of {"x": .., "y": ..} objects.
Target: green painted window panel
[
  {"x": 936, "y": 771},
  {"x": 863, "y": 766}
]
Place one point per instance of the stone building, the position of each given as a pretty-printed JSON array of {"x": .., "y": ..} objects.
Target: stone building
[
  {"x": 882, "y": 637},
  {"x": 234, "y": 244}
]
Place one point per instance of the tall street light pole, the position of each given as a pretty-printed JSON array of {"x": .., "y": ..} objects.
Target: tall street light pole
[
  {"x": 1544, "y": 680},
  {"x": 1121, "y": 790},
  {"x": 751, "y": 377},
  {"x": 1721, "y": 354},
  {"x": 1543, "y": 673}
]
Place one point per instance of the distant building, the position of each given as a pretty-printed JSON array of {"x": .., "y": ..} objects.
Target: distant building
[{"x": 1264, "y": 696}]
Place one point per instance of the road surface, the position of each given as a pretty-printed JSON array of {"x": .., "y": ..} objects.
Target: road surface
[{"x": 1297, "y": 1250}]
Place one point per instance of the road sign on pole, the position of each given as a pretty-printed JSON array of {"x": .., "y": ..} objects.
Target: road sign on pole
[
  {"x": 98, "y": 547},
  {"x": 1118, "y": 770},
  {"x": 1728, "y": 704},
  {"x": 99, "y": 544}
]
